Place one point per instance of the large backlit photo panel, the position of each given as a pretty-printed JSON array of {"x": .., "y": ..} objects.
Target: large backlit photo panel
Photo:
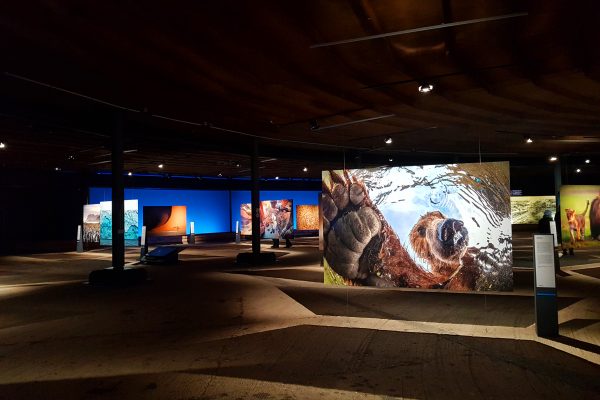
[
  {"x": 307, "y": 217},
  {"x": 276, "y": 217},
  {"x": 246, "y": 219},
  {"x": 130, "y": 223},
  {"x": 91, "y": 223},
  {"x": 164, "y": 221},
  {"x": 580, "y": 215},
  {"x": 530, "y": 209},
  {"x": 434, "y": 227}
]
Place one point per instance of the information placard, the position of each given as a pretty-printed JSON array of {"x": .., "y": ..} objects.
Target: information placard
[
  {"x": 544, "y": 261},
  {"x": 553, "y": 232}
]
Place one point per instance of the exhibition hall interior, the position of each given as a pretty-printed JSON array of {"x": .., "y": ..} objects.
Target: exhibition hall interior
[{"x": 300, "y": 200}]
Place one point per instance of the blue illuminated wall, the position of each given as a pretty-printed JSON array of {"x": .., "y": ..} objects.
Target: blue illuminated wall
[
  {"x": 209, "y": 209},
  {"x": 239, "y": 197}
]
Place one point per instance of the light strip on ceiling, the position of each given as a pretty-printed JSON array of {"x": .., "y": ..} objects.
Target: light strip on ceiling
[
  {"x": 422, "y": 29},
  {"x": 353, "y": 122}
]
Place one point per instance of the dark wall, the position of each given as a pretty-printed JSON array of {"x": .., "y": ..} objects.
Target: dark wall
[{"x": 39, "y": 211}]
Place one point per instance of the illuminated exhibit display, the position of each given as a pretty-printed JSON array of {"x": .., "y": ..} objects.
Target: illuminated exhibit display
[
  {"x": 165, "y": 221},
  {"x": 307, "y": 217},
  {"x": 437, "y": 226},
  {"x": 530, "y": 209},
  {"x": 276, "y": 219},
  {"x": 131, "y": 223},
  {"x": 91, "y": 223},
  {"x": 580, "y": 215},
  {"x": 246, "y": 216}
]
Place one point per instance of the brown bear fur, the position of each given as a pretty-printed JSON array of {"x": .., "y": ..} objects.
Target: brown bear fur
[
  {"x": 595, "y": 218},
  {"x": 457, "y": 266}
]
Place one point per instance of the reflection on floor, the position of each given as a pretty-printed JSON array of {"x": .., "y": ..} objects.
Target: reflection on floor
[{"x": 206, "y": 329}]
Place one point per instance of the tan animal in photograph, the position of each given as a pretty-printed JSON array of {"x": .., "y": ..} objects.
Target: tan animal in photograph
[{"x": 576, "y": 223}]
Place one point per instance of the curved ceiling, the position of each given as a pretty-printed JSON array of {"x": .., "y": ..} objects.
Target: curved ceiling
[{"x": 206, "y": 76}]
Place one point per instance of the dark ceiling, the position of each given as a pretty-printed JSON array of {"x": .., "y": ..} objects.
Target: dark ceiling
[{"x": 196, "y": 81}]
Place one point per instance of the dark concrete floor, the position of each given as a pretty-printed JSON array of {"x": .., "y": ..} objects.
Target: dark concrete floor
[{"x": 207, "y": 329}]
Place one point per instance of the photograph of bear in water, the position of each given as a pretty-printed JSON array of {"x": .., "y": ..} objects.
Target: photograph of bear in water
[{"x": 431, "y": 227}]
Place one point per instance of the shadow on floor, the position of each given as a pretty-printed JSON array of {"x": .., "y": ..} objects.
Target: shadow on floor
[
  {"x": 443, "y": 307},
  {"x": 408, "y": 365}
]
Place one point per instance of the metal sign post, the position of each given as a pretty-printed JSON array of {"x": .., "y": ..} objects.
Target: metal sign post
[{"x": 546, "y": 309}]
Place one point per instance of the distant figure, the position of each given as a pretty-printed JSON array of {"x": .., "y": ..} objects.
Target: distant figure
[{"x": 544, "y": 223}]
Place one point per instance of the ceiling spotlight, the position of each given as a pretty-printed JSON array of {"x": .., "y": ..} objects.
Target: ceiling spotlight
[
  {"x": 237, "y": 165},
  {"x": 2, "y": 145},
  {"x": 553, "y": 158},
  {"x": 390, "y": 159},
  {"x": 57, "y": 168},
  {"x": 587, "y": 161},
  {"x": 129, "y": 173},
  {"x": 388, "y": 140},
  {"x": 220, "y": 174},
  {"x": 305, "y": 169},
  {"x": 425, "y": 88},
  {"x": 314, "y": 125},
  {"x": 578, "y": 170},
  {"x": 161, "y": 166},
  {"x": 277, "y": 178},
  {"x": 528, "y": 139}
]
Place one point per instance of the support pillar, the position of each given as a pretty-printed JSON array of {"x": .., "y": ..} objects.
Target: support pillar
[
  {"x": 118, "y": 274},
  {"x": 255, "y": 199},
  {"x": 557, "y": 185},
  {"x": 118, "y": 197},
  {"x": 255, "y": 257}
]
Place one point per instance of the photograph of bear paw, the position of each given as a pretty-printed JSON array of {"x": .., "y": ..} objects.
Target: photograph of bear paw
[{"x": 351, "y": 226}]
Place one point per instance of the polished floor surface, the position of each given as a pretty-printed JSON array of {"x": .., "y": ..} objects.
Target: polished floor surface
[{"x": 206, "y": 329}]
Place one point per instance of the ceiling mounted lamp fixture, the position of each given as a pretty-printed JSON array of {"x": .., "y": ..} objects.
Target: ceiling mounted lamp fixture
[
  {"x": 220, "y": 174},
  {"x": 129, "y": 173},
  {"x": 305, "y": 169},
  {"x": 390, "y": 159},
  {"x": 161, "y": 166},
  {"x": 528, "y": 139},
  {"x": 388, "y": 140},
  {"x": 425, "y": 87},
  {"x": 587, "y": 161},
  {"x": 578, "y": 170},
  {"x": 553, "y": 158},
  {"x": 2, "y": 145},
  {"x": 276, "y": 178}
]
